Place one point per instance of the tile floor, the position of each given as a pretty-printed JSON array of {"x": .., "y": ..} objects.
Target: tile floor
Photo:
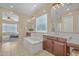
[{"x": 17, "y": 49}]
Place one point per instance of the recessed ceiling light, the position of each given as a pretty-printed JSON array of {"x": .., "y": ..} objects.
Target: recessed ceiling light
[
  {"x": 34, "y": 6},
  {"x": 11, "y": 6},
  {"x": 67, "y": 9}
]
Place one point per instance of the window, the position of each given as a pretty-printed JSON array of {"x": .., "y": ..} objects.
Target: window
[
  {"x": 41, "y": 23},
  {"x": 9, "y": 27}
]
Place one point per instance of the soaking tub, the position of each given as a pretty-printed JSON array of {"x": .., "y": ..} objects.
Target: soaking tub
[{"x": 33, "y": 44}]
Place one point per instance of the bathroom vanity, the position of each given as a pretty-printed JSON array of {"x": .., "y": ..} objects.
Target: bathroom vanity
[
  {"x": 56, "y": 45},
  {"x": 59, "y": 45}
]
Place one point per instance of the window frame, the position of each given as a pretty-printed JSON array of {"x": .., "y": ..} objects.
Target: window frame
[
  {"x": 45, "y": 23},
  {"x": 11, "y": 25}
]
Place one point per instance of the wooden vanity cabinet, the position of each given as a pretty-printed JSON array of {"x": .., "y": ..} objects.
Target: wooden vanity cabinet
[
  {"x": 48, "y": 44},
  {"x": 55, "y": 45},
  {"x": 60, "y": 47}
]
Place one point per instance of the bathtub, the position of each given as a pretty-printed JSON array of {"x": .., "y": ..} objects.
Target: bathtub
[{"x": 33, "y": 45}]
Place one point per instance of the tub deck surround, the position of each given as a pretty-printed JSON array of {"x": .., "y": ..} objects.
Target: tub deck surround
[
  {"x": 34, "y": 45},
  {"x": 34, "y": 42}
]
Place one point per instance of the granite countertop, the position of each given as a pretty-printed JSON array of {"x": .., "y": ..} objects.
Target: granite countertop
[
  {"x": 68, "y": 37},
  {"x": 56, "y": 35},
  {"x": 73, "y": 41}
]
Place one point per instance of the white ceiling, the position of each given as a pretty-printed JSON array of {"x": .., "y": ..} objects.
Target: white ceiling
[
  {"x": 31, "y": 9},
  {"x": 25, "y": 8},
  {"x": 59, "y": 11}
]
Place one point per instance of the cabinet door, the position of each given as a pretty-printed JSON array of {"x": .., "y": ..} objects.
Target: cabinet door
[
  {"x": 47, "y": 45},
  {"x": 59, "y": 48}
]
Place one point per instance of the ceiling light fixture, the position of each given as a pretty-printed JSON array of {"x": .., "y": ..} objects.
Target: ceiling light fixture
[
  {"x": 11, "y": 6},
  {"x": 57, "y": 5}
]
